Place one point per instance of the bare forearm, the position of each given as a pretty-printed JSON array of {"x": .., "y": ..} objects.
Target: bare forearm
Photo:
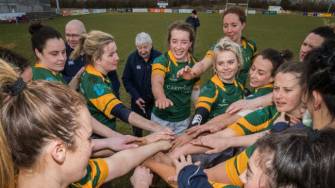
[
  {"x": 131, "y": 158},
  {"x": 102, "y": 130},
  {"x": 227, "y": 132},
  {"x": 202, "y": 66},
  {"x": 245, "y": 141},
  {"x": 141, "y": 122},
  {"x": 263, "y": 101},
  {"x": 157, "y": 83}
]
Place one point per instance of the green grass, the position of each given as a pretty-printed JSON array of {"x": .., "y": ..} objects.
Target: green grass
[{"x": 279, "y": 32}]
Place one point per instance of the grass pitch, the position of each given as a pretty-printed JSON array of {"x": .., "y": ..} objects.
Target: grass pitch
[{"x": 279, "y": 32}]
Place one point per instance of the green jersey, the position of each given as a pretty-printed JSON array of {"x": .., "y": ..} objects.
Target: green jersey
[
  {"x": 99, "y": 96},
  {"x": 236, "y": 165},
  {"x": 178, "y": 90},
  {"x": 96, "y": 174},
  {"x": 256, "y": 121},
  {"x": 261, "y": 91},
  {"x": 41, "y": 73},
  {"x": 248, "y": 50},
  {"x": 216, "y": 96}
]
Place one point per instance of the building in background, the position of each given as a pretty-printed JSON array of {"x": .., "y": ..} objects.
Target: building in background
[{"x": 15, "y": 6}]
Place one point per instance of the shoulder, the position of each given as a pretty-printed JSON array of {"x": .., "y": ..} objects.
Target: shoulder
[
  {"x": 132, "y": 55},
  {"x": 155, "y": 53},
  {"x": 250, "y": 43},
  {"x": 96, "y": 174},
  {"x": 162, "y": 59}
]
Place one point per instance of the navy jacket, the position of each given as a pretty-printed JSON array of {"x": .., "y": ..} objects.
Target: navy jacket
[
  {"x": 194, "y": 22},
  {"x": 193, "y": 176},
  {"x": 137, "y": 76},
  {"x": 73, "y": 66}
]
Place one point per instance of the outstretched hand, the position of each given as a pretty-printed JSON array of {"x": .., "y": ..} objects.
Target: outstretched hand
[
  {"x": 123, "y": 142},
  {"x": 142, "y": 177},
  {"x": 214, "y": 143},
  {"x": 187, "y": 73},
  {"x": 157, "y": 136}
]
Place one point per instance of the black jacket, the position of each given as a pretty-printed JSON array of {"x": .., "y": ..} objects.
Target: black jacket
[
  {"x": 137, "y": 76},
  {"x": 194, "y": 22}
]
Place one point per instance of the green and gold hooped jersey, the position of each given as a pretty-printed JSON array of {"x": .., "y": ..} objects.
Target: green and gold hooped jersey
[
  {"x": 99, "y": 96},
  {"x": 216, "y": 96},
  {"x": 260, "y": 91},
  {"x": 236, "y": 165},
  {"x": 248, "y": 50},
  {"x": 178, "y": 90},
  {"x": 96, "y": 174},
  {"x": 41, "y": 73},
  {"x": 256, "y": 121}
]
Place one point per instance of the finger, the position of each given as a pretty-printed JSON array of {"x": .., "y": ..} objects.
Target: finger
[
  {"x": 170, "y": 102},
  {"x": 192, "y": 130},
  {"x": 196, "y": 142},
  {"x": 189, "y": 159},
  {"x": 187, "y": 69},
  {"x": 200, "y": 131},
  {"x": 214, "y": 129},
  {"x": 182, "y": 158},
  {"x": 197, "y": 163},
  {"x": 212, "y": 151},
  {"x": 130, "y": 138},
  {"x": 180, "y": 73},
  {"x": 233, "y": 110},
  {"x": 172, "y": 179}
]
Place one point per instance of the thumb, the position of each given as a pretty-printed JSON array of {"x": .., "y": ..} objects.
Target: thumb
[
  {"x": 172, "y": 179},
  {"x": 132, "y": 139}
]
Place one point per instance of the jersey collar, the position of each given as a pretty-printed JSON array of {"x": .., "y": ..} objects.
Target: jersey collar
[
  {"x": 174, "y": 60},
  {"x": 92, "y": 70},
  {"x": 40, "y": 65}
]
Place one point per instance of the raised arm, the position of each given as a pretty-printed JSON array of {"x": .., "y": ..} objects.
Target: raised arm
[{"x": 189, "y": 73}]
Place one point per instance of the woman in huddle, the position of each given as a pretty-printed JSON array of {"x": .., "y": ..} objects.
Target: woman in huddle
[{"x": 50, "y": 141}]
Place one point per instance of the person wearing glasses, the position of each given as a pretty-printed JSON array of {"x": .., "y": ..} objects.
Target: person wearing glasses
[{"x": 74, "y": 30}]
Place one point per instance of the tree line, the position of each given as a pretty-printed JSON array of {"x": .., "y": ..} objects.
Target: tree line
[{"x": 304, "y": 5}]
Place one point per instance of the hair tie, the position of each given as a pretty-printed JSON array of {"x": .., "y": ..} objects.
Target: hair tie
[
  {"x": 17, "y": 87},
  {"x": 313, "y": 135}
]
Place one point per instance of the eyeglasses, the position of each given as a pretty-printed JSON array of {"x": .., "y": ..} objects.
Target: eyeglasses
[{"x": 72, "y": 35}]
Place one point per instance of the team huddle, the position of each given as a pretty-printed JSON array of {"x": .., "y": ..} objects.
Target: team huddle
[{"x": 262, "y": 120}]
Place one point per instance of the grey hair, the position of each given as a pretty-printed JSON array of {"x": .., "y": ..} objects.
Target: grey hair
[
  {"x": 142, "y": 38},
  {"x": 77, "y": 23}
]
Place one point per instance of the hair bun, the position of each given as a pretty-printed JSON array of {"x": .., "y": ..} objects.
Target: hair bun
[
  {"x": 286, "y": 54},
  {"x": 35, "y": 27}
]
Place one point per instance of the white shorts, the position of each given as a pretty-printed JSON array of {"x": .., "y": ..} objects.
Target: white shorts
[{"x": 177, "y": 127}]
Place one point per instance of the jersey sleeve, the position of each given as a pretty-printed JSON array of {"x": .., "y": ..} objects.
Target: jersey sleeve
[
  {"x": 96, "y": 174},
  {"x": 256, "y": 121},
  {"x": 207, "y": 97},
  {"x": 160, "y": 66},
  {"x": 100, "y": 95}
]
